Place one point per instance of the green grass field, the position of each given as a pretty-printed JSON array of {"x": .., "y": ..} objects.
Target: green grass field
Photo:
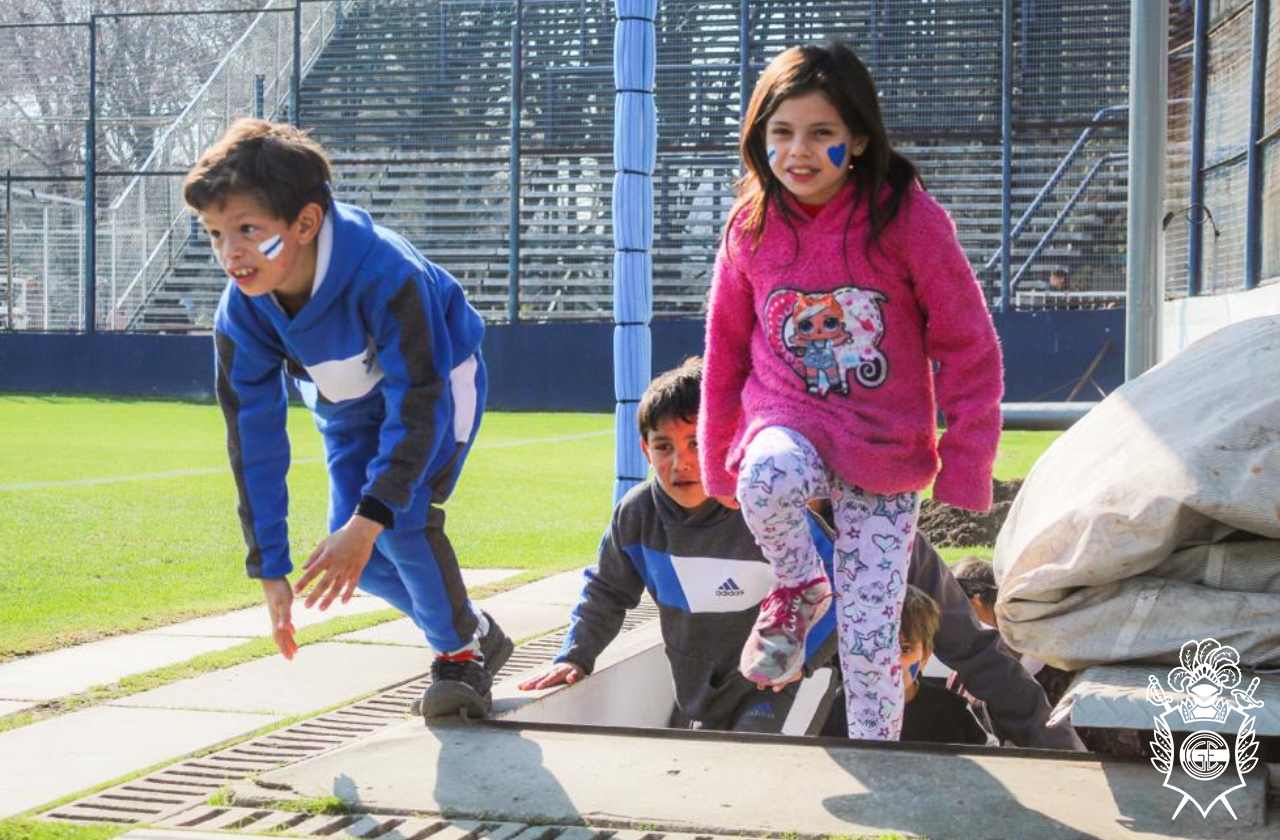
[{"x": 120, "y": 515}]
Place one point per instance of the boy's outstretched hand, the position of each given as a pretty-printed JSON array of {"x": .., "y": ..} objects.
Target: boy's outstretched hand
[
  {"x": 561, "y": 672},
  {"x": 279, "y": 596},
  {"x": 340, "y": 557}
]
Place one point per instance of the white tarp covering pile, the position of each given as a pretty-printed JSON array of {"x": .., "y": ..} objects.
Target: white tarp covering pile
[{"x": 1156, "y": 518}]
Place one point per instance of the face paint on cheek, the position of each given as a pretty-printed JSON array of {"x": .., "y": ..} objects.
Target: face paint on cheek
[
  {"x": 772, "y": 153},
  {"x": 272, "y": 247},
  {"x": 835, "y": 154},
  {"x": 913, "y": 669}
]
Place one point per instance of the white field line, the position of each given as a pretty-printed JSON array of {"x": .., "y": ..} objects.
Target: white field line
[{"x": 120, "y": 479}]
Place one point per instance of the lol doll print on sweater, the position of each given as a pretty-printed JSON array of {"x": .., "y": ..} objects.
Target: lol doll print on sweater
[{"x": 838, "y": 287}]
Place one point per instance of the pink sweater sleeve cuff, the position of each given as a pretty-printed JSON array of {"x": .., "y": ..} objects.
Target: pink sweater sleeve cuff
[
  {"x": 721, "y": 484},
  {"x": 964, "y": 483},
  {"x": 716, "y": 479}
]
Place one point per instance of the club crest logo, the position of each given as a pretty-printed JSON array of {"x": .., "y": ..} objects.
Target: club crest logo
[{"x": 1207, "y": 673}]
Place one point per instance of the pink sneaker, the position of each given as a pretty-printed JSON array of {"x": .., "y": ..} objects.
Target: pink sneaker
[{"x": 774, "y": 652}]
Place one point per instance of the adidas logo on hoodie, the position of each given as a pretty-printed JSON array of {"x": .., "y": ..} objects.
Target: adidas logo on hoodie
[{"x": 729, "y": 589}]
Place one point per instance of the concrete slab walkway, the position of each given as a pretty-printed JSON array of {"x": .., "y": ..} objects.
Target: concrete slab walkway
[
  {"x": 53, "y": 758},
  {"x": 321, "y": 675},
  {"x": 711, "y": 783},
  {"x": 48, "y": 676},
  {"x": 72, "y": 752}
]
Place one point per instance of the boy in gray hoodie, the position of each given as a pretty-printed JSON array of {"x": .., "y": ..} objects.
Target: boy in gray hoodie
[{"x": 703, "y": 569}]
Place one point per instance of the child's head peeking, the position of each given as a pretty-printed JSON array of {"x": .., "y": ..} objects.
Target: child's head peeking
[
  {"x": 920, "y": 622},
  {"x": 977, "y": 577},
  {"x": 261, "y": 191},
  {"x": 668, "y": 418}
]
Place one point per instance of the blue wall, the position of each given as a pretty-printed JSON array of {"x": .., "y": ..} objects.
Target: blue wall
[{"x": 562, "y": 366}]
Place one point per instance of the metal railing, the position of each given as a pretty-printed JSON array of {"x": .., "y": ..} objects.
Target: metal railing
[
  {"x": 146, "y": 227},
  {"x": 1050, "y": 185},
  {"x": 1058, "y": 221}
]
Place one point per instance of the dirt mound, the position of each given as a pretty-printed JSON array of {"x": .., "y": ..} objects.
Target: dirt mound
[{"x": 950, "y": 527}]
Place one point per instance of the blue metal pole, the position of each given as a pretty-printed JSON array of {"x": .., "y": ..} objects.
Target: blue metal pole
[
  {"x": 1257, "y": 95},
  {"x": 744, "y": 58},
  {"x": 295, "y": 93},
  {"x": 1006, "y": 153},
  {"x": 635, "y": 144},
  {"x": 513, "y": 221},
  {"x": 90, "y": 186},
  {"x": 1199, "y": 100}
]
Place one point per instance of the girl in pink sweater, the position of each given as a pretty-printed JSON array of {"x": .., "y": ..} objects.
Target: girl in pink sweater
[{"x": 838, "y": 289}]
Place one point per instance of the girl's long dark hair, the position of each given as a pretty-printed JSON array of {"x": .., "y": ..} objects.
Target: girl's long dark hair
[{"x": 837, "y": 72}]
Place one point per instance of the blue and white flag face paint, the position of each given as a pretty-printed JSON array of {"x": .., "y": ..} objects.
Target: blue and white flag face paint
[
  {"x": 272, "y": 247},
  {"x": 772, "y": 153}
]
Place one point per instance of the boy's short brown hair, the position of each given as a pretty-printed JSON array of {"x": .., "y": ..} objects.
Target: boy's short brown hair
[
  {"x": 977, "y": 577},
  {"x": 277, "y": 164},
  {"x": 920, "y": 618},
  {"x": 674, "y": 394}
]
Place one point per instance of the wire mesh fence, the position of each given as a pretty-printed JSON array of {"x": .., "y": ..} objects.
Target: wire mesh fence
[
  {"x": 414, "y": 100},
  {"x": 1226, "y": 174},
  {"x": 41, "y": 253},
  {"x": 1208, "y": 202}
]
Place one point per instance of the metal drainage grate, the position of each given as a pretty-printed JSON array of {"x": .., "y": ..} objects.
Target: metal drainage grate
[
  {"x": 172, "y": 791},
  {"x": 208, "y": 818}
]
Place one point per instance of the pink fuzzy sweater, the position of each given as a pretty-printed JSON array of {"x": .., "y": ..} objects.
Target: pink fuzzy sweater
[{"x": 845, "y": 356}]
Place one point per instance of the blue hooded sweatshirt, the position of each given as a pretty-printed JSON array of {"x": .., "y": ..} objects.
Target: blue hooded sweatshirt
[{"x": 371, "y": 353}]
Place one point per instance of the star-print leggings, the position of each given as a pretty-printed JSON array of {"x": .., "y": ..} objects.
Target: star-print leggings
[{"x": 780, "y": 472}]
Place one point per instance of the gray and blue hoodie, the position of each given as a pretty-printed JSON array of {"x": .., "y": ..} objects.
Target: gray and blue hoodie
[{"x": 703, "y": 570}]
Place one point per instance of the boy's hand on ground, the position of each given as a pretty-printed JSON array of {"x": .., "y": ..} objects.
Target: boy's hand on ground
[
  {"x": 340, "y": 558},
  {"x": 728, "y": 501},
  {"x": 279, "y": 597},
  {"x": 561, "y": 672}
]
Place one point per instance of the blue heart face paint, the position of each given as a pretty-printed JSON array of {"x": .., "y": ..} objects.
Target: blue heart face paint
[
  {"x": 804, "y": 133},
  {"x": 913, "y": 669},
  {"x": 271, "y": 248}
]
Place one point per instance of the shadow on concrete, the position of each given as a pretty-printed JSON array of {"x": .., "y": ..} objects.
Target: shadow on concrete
[
  {"x": 951, "y": 798},
  {"x": 500, "y": 776},
  {"x": 1146, "y": 806}
]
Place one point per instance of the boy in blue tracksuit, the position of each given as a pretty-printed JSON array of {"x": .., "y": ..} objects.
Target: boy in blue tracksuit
[{"x": 385, "y": 350}]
